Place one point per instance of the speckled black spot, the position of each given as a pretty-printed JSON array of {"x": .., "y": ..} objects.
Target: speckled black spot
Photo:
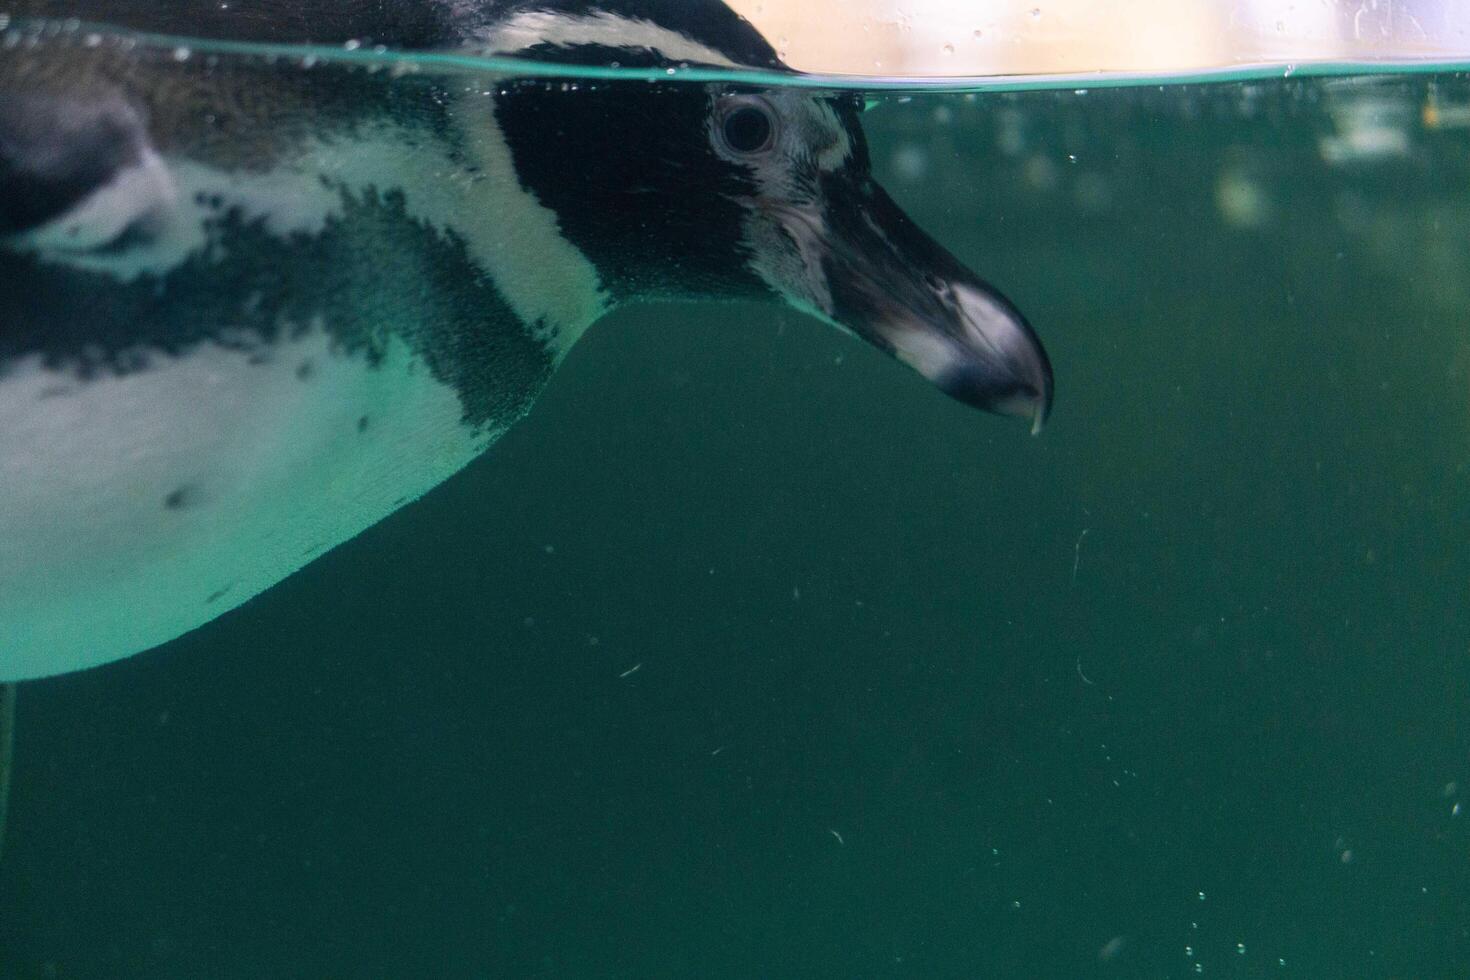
[
  {"x": 305, "y": 370},
  {"x": 217, "y": 596},
  {"x": 182, "y": 498},
  {"x": 362, "y": 424}
]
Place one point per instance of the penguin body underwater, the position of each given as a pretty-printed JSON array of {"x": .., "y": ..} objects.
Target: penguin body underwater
[{"x": 248, "y": 309}]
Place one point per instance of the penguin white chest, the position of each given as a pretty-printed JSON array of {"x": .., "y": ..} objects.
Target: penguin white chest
[
  {"x": 291, "y": 357},
  {"x": 139, "y": 506}
]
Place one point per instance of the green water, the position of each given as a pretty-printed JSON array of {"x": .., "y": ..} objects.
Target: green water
[{"x": 749, "y": 654}]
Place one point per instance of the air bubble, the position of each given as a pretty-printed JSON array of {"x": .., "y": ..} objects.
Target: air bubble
[
  {"x": 948, "y": 49},
  {"x": 352, "y": 45},
  {"x": 1240, "y": 949},
  {"x": 181, "y": 54}
]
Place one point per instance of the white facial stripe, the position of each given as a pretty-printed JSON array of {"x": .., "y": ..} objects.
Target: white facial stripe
[
  {"x": 143, "y": 192},
  {"x": 836, "y": 154},
  {"x": 544, "y": 277},
  {"x": 509, "y": 234},
  {"x": 529, "y": 30}
]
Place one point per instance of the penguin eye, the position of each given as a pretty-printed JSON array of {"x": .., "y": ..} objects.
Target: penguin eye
[{"x": 748, "y": 127}]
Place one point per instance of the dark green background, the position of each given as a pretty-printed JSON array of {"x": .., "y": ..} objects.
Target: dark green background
[{"x": 863, "y": 610}]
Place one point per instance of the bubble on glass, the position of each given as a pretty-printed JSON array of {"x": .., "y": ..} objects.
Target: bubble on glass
[
  {"x": 911, "y": 162},
  {"x": 1241, "y": 200}
]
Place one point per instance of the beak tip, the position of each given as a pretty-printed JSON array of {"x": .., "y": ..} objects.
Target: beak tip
[{"x": 1035, "y": 409}]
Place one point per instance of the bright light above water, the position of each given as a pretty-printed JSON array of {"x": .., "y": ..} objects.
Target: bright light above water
[{"x": 958, "y": 37}]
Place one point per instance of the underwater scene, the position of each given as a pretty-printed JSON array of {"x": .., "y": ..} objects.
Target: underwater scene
[{"x": 751, "y": 650}]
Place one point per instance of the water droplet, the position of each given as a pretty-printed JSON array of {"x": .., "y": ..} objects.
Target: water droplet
[
  {"x": 1201, "y": 896},
  {"x": 979, "y": 33},
  {"x": 1189, "y": 952},
  {"x": 1035, "y": 13},
  {"x": 1240, "y": 949},
  {"x": 949, "y": 49}
]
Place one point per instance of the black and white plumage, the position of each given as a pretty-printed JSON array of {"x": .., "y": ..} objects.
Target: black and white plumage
[{"x": 248, "y": 309}]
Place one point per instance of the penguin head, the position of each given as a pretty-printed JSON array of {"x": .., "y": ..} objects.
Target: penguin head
[{"x": 686, "y": 190}]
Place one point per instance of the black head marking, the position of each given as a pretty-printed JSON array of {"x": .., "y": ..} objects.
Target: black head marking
[
  {"x": 645, "y": 182},
  {"x": 636, "y": 186}
]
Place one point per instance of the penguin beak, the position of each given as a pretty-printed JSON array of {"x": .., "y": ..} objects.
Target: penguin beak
[{"x": 897, "y": 288}]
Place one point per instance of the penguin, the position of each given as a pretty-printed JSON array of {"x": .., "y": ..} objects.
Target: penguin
[{"x": 253, "y": 303}]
